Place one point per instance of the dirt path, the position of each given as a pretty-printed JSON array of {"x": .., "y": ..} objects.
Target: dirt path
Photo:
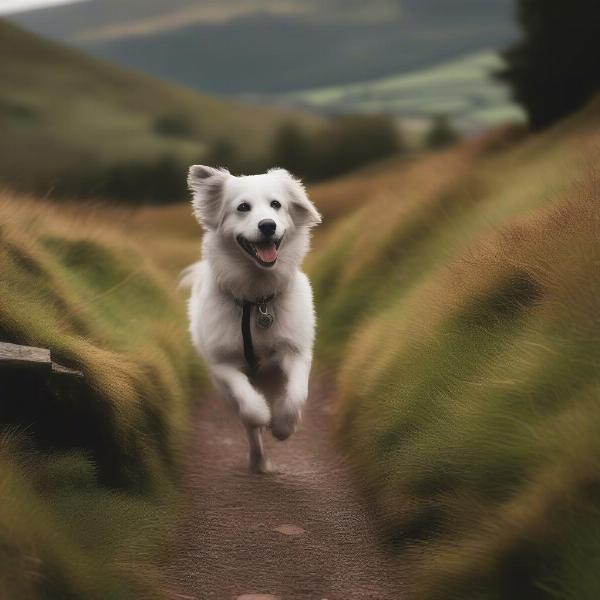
[{"x": 301, "y": 533}]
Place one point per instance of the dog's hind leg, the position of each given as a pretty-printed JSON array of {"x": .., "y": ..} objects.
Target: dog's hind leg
[{"x": 257, "y": 461}]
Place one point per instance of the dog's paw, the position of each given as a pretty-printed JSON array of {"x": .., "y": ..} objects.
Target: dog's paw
[
  {"x": 256, "y": 413},
  {"x": 284, "y": 422},
  {"x": 259, "y": 465}
]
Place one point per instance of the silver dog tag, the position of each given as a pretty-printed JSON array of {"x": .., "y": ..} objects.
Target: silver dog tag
[{"x": 264, "y": 319}]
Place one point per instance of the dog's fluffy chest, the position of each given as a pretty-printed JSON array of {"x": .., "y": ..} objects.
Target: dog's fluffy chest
[
  {"x": 217, "y": 322},
  {"x": 266, "y": 341}
]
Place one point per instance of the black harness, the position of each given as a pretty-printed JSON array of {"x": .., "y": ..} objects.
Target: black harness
[{"x": 264, "y": 320}]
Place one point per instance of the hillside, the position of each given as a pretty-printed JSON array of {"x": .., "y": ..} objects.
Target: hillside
[
  {"x": 458, "y": 304},
  {"x": 62, "y": 113}
]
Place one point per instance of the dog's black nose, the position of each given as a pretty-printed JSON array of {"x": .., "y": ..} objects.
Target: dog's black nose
[{"x": 267, "y": 227}]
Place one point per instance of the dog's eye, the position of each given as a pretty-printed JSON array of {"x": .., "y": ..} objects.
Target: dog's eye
[
  {"x": 276, "y": 204},
  {"x": 244, "y": 207}
]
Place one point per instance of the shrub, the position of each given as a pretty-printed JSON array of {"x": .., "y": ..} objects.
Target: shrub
[
  {"x": 157, "y": 181},
  {"x": 17, "y": 110},
  {"x": 343, "y": 145},
  {"x": 441, "y": 133},
  {"x": 173, "y": 125},
  {"x": 351, "y": 142}
]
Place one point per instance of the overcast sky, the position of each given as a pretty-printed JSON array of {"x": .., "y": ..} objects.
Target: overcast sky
[{"x": 14, "y": 6}]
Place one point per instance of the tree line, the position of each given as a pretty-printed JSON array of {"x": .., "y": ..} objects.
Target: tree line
[{"x": 341, "y": 145}]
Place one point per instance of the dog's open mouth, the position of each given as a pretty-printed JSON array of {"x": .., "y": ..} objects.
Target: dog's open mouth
[{"x": 264, "y": 253}]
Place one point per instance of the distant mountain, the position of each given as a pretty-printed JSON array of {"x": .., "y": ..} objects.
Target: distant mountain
[{"x": 268, "y": 46}]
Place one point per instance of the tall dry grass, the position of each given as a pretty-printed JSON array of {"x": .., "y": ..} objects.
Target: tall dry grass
[
  {"x": 88, "y": 473},
  {"x": 461, "y": 311}
]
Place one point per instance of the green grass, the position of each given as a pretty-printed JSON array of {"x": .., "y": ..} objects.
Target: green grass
[
  {"x": 88, "y": 473},
  {"x": 464, "y": 330},
  {"x": 63, "y": 113}
]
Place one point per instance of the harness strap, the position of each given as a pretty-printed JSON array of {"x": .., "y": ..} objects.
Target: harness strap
[{"x": 247, "y": 335}]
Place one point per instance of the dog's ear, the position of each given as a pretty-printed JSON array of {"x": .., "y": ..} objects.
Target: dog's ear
[
  {"x": 302, "y": 210},
  {"x": 206, "y": 184}
]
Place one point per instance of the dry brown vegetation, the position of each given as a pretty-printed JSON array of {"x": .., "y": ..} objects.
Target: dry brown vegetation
[
  {"x": 459, "y": 304},
  {"x": 88, "y": 473},
  {"x": 458, "y": 300}
]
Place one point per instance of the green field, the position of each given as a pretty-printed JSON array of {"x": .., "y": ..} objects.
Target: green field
[
  {"x": 63, "y": 113},
  {"x": 462, "y": 89},
  {"x": 458, "y": 304}
]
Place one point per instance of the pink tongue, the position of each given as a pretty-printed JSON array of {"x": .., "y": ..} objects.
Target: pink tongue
[{"x": 267, "y": 254}]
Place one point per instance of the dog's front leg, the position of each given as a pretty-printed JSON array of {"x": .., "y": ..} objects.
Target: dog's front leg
[
  {"x": 252, "y": 408},
  {"x": 251, "y": 405},
  {"x": 287, "y": 408}
]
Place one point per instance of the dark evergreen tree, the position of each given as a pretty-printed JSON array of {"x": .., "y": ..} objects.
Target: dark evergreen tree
[{"x": 555, "y": 68}]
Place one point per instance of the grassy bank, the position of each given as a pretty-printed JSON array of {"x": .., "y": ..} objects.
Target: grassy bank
[
  {"x": 88, "y": 473},
  {"x": 460, "y": 305}
]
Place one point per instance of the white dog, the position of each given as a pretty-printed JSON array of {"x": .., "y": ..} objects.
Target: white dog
[{"x": 251, "y": 309}]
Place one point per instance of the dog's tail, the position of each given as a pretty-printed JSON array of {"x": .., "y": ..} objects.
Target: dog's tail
[{"x": 187, "y": 277}]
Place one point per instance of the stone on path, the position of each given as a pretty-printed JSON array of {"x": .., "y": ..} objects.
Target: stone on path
[{"x": 289, "y": 530}]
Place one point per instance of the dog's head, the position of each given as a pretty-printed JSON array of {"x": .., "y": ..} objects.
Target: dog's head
[{"x": 266, "y": 217}]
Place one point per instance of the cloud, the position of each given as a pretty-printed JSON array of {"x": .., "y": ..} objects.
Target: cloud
[{"x": 18, "y": 6}]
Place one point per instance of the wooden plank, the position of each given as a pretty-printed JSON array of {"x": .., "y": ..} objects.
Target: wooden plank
[
  {"x": 13, "y": 355},
  {"x": 61, "y": 371},
  {"x": 37, "y": 359}
]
